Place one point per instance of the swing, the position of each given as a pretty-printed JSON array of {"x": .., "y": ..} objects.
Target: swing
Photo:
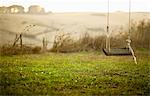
[{"x": 117, "y": 51}]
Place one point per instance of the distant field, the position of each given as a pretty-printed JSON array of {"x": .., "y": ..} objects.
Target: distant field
[
  {"x": 74, "y": 23},
  {"x": 70, "y": 74}
]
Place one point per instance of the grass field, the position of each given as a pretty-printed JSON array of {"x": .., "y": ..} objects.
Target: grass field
[{"x": 85, "y": 73}]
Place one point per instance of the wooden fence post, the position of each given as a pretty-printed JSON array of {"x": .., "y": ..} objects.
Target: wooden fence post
[{"x": 21, "y": 41}]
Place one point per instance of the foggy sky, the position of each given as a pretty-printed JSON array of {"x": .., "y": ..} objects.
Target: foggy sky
[{"x": 82, "y": 5}]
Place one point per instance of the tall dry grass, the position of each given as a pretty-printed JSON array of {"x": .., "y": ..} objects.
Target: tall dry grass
[
  {"x": 140, "y": 37},
  {"x": 8, "y": 49},
  {"x": 64, "y": 43},
  {"x": 141, "y": 34}
]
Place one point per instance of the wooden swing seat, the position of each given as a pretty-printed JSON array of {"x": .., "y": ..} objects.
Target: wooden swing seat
[{"x": 117, "y": 51}]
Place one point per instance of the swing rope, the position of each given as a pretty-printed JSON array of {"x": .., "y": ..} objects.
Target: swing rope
[
  {"x": 108, "y": 33},
  {"x": 129, "y": 35}
]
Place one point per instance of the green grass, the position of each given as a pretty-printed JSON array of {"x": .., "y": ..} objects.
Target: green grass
[{"x": 74, "y": 74}]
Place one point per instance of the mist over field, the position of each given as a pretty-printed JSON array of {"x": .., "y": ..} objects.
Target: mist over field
[{"x": 75, "y": 23}]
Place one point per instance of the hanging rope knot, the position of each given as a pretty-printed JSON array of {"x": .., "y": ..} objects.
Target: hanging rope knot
[
  {"x": 107, "y": 28},
  {"x": 128, "y": 41}
]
